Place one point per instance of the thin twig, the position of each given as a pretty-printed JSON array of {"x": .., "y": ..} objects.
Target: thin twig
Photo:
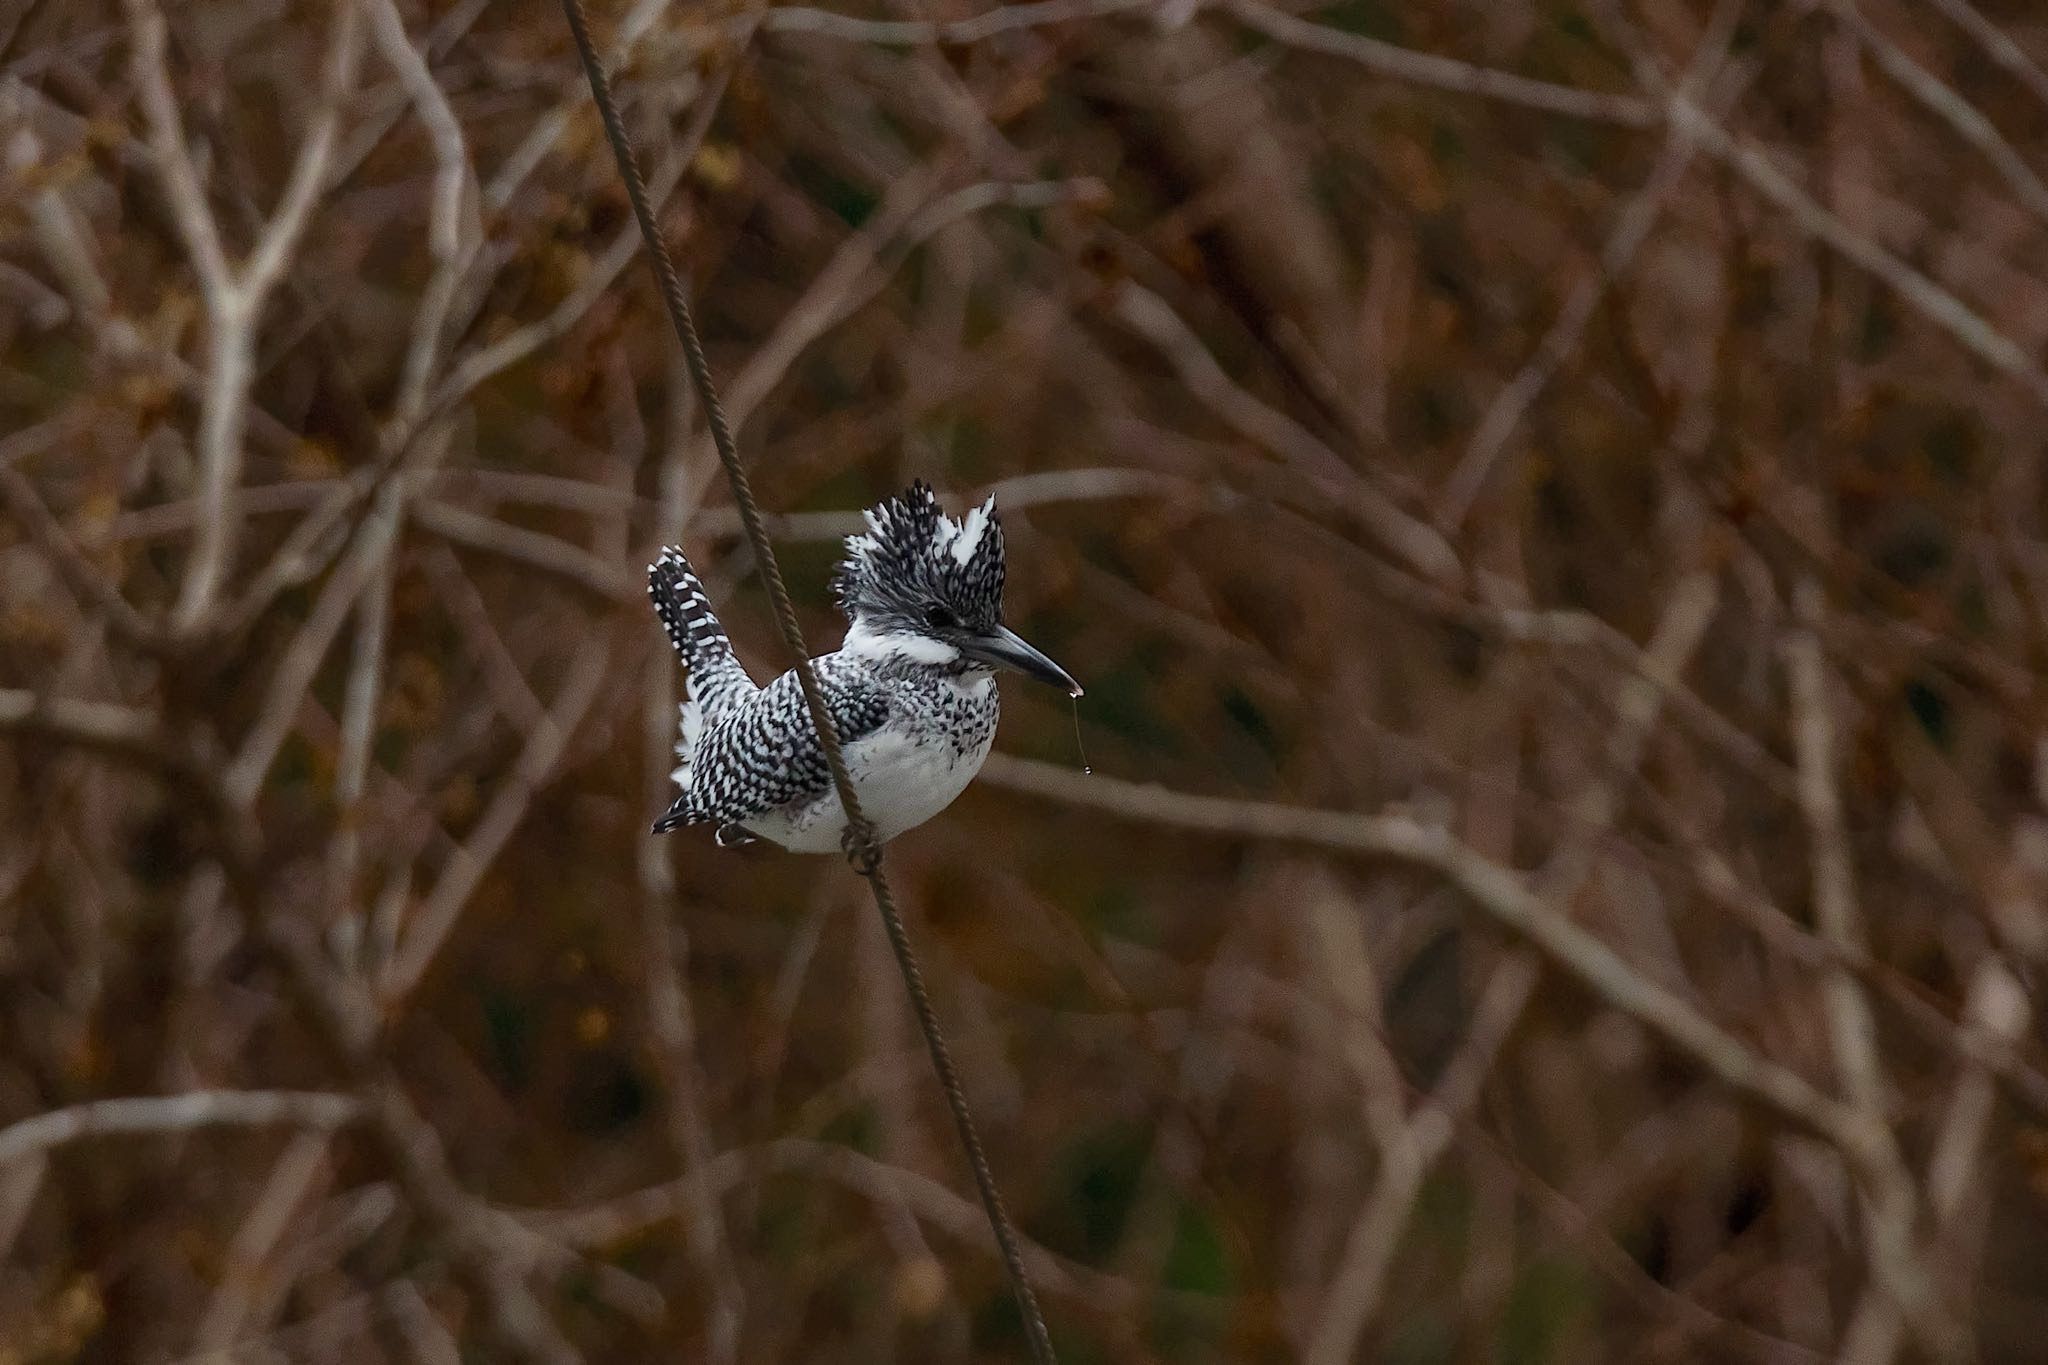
[
  {"x": 1996, "y": 45},
  {"x": 234, "y": 296},
  {"x": 1997, "y": 1010},
  {"x": 512, "y": 694},
  {"x": 665, "y": 941},
  {"x": 1932, "y": 301},
  {"x": 1418, "y": 544},
  {"x": 602, "y": 579},
  {"x": 1630, "y": 230},
  {"x": 1891, "y": 1205},
  {"x": 359, "y": 700},
  {"x": 85, "y": 580},
  {"x": 541, "y": 755},
  {"x": 1421, "y": 1139},
  {"x": 1492, "y": 888},
  {"x": 1001, "y": 19},
  {"x": 295, "y": 673},
  {"x": 619, "y": 1219},
  {"x": 308, "y": 179},
  {"x": 170, "y": 149},
  {"x": 1834, "y": 892},
  {"x": 120, "y": 731},
  {"x": 448, "y": 227},
  {"x": 909, "y": 214},
  {"x": 251, "y": 1254},
  {"x": 548, "y": 130},
  {"x": 1947, "y": 104},
  {"x": 1442, "y": 73},
  {"x": 185, "y": 1113},
  {"x": 402, "y": 1138}
]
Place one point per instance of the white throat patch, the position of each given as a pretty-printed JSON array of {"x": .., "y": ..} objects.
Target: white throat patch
[{"x": 863, "y": 641}]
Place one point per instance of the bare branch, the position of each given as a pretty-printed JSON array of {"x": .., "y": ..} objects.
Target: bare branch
[
  {"x": 552, "y": 555},
  {"x": 548, "y": 130},
  {"x": 537, "y": 762},
  {"x": 665, "y": 937},
  {"x": 308, "y": 180},
  {"x": 1001, "y": 19},
  {"x": 293, "y": 1178},
  {"x": 169, "y": 149},
  {"x": 1932, "y": 301},
  {"x": 1948, "y": 105},
  {"x": 510, "y": 691},
  {"x": 1623, "y": 241},
  {"x": 302, "y": 659},
  {"x": 1418, "y": 544},
  {"x": 621, "y": 1218},
  {"x": 1358, "y": 1282},
  {"x": 1442, "y": 73},
  {"x": 1997, "y": 45},
  {"x": 1490, "y": 887},
  {"x": 361, "y": 693},
  {"x": 1891, "y": 1204},
  {"x": 1834, "y": 892},
  {"x": 1997, "y": 1010},
  {"x": 908, "y": 215},
  {"x": 79, "y": 574},
  {"x": 449, "y": 226},
  {"x": 175, "y": 1114},
  {"x": 234, "y": 298},
  {"x": 101, "y": 726}
]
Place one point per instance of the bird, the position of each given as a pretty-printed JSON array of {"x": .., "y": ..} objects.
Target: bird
[{"x": 911, "y": 688}]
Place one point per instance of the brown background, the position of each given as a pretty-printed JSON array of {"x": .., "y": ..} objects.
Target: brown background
[{"x": 1591, "y": 456}]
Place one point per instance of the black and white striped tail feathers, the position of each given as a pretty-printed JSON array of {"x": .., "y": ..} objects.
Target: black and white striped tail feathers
[
  {"x": 716, "y": 677},
  {"x": 685, "y": 611},
  {"x": 716, "y": 674}
]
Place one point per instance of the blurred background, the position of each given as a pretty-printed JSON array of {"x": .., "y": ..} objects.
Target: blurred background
[{"x": 1546, "y": 500}]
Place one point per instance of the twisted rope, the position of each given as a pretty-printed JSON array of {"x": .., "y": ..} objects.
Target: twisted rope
[{"x": 862, "y": 852}]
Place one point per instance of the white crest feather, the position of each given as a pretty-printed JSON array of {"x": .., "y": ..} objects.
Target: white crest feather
[
  {"x": 944, "y": 534},
  {"x": 967, "y": 535}
]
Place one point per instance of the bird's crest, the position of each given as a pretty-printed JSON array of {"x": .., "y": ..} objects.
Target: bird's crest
[{"x": 913, "y": 554}]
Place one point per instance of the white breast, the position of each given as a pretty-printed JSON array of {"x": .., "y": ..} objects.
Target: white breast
[{"x": 903, "y": 776}]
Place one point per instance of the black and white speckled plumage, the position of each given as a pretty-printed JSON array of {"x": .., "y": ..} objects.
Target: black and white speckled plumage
[{"x": 915, "y": 708}]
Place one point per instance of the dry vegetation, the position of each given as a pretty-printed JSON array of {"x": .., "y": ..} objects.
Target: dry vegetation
[{"x": 1548, "y": 502}]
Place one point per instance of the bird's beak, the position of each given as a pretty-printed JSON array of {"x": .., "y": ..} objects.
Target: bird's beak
[{"x": 1004, "y": 648}]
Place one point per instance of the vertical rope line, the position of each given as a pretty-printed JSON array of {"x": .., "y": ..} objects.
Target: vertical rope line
[{"x": 861, "y": 849}]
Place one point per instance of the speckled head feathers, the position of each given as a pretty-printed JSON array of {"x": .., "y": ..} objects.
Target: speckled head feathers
[{"x": 914, "y": 560}]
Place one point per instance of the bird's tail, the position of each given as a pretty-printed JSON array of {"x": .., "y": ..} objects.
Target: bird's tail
[
  {"x": 685, "y": 611},
  {"x": 717, "y": 678}
]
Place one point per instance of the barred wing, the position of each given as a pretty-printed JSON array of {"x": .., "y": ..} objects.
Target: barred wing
[{"x": 763, "y": 753}]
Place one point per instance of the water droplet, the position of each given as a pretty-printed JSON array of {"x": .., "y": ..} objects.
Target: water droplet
[{"x": 1079, "y": 747}]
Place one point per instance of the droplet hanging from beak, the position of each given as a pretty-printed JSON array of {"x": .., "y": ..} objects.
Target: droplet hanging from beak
[{"x": 1079, "y": 747}]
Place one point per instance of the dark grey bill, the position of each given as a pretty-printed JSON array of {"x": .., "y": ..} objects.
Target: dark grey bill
[{"x": 1005, "y": 648}]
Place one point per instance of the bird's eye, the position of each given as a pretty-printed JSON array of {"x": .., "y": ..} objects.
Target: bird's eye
[{"x": 939, "y": 618}]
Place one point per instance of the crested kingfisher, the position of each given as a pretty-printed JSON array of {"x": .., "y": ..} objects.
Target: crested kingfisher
[{"x": 911, "y": 689}]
